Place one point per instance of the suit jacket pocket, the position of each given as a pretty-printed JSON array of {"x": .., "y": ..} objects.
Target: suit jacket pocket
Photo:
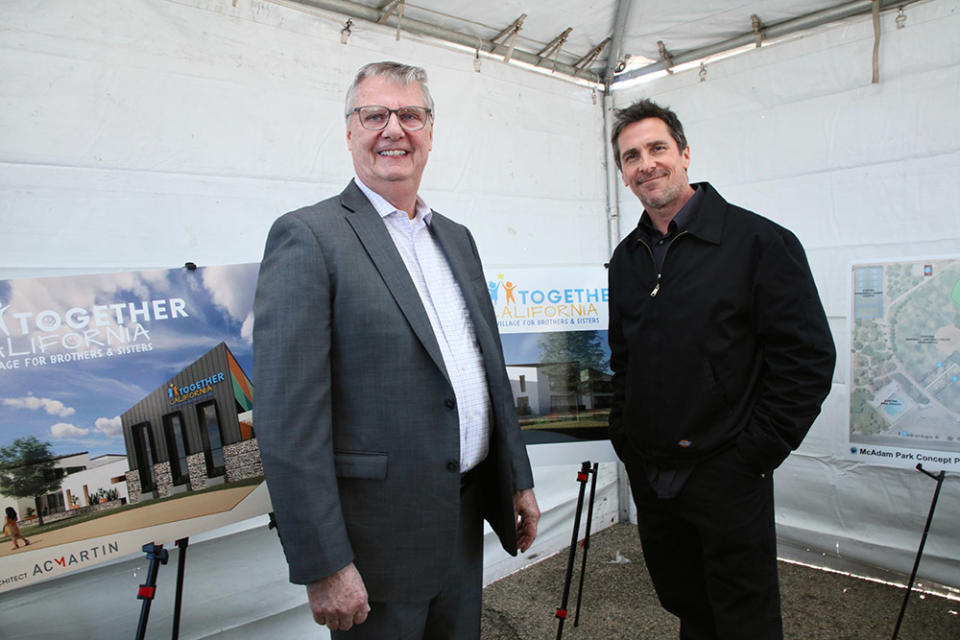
[{"x": 356, "y": 464}]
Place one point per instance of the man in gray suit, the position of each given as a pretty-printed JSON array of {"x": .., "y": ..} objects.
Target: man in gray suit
[{"x": 384, "y": 414}]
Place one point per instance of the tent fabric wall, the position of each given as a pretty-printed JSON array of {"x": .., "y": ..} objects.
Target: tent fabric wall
[
  {"x": 151, "y": 132},
  {"x": 858, "y": 171}
]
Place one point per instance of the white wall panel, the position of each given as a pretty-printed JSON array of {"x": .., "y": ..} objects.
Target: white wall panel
[{"x": 150, "y": 132}]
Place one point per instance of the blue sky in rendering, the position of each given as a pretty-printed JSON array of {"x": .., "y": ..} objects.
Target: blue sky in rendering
[{"x": 75, "y": 405}]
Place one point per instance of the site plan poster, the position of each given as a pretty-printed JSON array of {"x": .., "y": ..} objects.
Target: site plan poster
[
  {"x": 124, "y": 413},
  {"x": 905, "y": 363}
]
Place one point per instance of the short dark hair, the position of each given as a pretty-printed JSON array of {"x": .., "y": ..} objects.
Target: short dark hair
[{"x": 641, "y": 110}]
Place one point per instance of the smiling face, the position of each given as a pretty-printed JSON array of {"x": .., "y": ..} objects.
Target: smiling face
[
  {"x": 389, "y": 161},
  {"x": 654, "y": 167}
]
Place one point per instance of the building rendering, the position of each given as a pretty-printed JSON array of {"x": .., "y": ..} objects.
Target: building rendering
[
  {"x": 558, "y": 387},
  {"x": 192, "y": 432},
  {"x": 85, "y": 482}
]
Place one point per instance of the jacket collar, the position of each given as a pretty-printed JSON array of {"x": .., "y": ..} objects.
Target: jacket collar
[
  {"x": 707, "y": 223},
  {"x": 711, "y": 214},
  {"x": 353, "y": 199},
  {"x": 385, "y": 209}
]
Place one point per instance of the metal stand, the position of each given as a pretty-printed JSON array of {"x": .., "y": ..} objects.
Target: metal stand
[
  {"x": 582, "y": 475},
  {"x": 147, "y": 591},
  {"x": 923, "y": 540},
  {"x": 157, "y": 556},
  {"x": 181, "y": 563},
  {"x": 586, "y": 540}
]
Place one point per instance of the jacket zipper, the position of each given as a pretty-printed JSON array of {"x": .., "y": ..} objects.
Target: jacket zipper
[{"x": 656, "y": 288}]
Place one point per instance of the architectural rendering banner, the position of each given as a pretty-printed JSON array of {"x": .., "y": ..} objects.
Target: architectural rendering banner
[
  {"x": 905, "y": 363},
  {"x": 553, "y": 326},
  {"x": 124, "y": 414},
  {"x": 126, "y": 401}
]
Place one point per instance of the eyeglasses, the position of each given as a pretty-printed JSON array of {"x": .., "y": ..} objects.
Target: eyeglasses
[{"x": 375, "y": 117}]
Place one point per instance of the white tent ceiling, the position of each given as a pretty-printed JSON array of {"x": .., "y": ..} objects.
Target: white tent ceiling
[{"x": 613, "y": 40}]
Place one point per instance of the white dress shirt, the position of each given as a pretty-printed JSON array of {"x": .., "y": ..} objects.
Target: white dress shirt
[{"x": 449, "y": 317}]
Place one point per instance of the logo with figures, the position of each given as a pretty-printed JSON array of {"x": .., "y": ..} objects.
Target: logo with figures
[
  {"x": 518, "y": 305},
  {"x": 196, "y": 389},
  {"x": 506, "y": 286}
]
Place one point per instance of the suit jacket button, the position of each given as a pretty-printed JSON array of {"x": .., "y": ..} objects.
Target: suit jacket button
[
  {"x": 453, "y": 465},
  {"x": 450, "y": 403}
]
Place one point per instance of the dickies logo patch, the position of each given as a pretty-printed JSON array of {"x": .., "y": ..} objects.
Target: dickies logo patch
[{"x": 685, "y": 443}]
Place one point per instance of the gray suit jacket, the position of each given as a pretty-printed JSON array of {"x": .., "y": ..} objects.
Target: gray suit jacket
[{"x": 354, "y": 413}]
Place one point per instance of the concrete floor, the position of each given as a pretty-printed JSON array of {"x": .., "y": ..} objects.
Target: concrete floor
[{"x": 619, "y": 602}]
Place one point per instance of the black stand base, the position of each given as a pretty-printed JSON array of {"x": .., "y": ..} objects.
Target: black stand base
[
  {"x": 181, "y": 563},
  {"x": 582, "y": 475},
  {"x": 923, "y": 541},
  {"x": 157, "y": 556},
  {"x": 147, "y": 591}
]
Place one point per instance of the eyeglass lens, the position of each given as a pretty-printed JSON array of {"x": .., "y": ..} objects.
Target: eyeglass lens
[{"x": 376, "y": 117}]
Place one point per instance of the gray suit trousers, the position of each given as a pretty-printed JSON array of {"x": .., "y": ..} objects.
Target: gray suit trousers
[{"x": 455, "y": 612}]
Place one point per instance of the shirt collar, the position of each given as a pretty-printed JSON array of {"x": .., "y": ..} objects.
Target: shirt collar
[
  {"x": 682, "y": 218},
  {"x": 384, "y": 208}
]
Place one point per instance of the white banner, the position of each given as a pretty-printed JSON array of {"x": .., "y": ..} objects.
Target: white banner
[{"x": 549, "y": 298}]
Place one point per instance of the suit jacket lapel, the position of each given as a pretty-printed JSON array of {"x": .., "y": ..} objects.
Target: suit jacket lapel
[
  {"x": 376, "y": 240},
  {"x": 458, "y": 252}
]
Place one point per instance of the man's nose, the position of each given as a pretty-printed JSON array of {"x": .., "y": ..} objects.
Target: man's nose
[
  {"x": 646, "y": 163},
  {"x": 393, "y": 128}
]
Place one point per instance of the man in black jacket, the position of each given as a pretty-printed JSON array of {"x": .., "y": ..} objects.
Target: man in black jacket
[{"x": 721, "y": 356}]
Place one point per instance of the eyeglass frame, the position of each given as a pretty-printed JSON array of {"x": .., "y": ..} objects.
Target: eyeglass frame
[{"x": 390, "y": 112}]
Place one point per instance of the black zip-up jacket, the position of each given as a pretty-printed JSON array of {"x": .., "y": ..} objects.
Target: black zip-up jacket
[{"x": 727, "y": 346}]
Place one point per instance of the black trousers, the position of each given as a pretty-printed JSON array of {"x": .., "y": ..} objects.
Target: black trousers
[
  {"x": 454, "y": 613},
  {"x": 711, "y": 550}
]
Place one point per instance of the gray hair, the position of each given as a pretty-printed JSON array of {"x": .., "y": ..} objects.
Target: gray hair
[{"x": 402, "y": 74}]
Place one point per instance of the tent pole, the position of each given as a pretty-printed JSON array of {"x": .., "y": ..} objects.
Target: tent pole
[{"x": 610, "y": 169}]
